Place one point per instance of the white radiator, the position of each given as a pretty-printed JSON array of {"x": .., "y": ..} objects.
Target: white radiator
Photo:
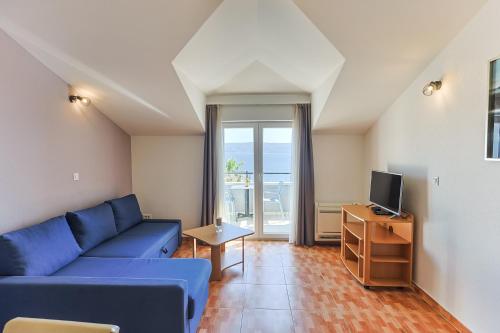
[{"x": 328, "y": 222}]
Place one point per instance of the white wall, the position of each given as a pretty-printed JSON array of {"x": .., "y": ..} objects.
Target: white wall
[
  {"x": 44, "y": 139},
  {"x": 167, "y": 173},
  {"x": 338, "y": 168},
  {"x": 257, "y": 113},
  {"x": 167, "y": 176},
  {"x": 458, "y": 222}
]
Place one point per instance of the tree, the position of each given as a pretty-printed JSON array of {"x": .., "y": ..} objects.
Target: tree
[{"x": 232, "y": 166}]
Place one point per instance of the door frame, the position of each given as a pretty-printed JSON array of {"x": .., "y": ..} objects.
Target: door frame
[{"x": 258, "y": 130}]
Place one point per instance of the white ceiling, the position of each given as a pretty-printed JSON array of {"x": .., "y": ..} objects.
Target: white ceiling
[
  {"x": 244, "y": 37},
  {"x": 386, "y": 43},
  {"x": 257, "y": 78},
  {"x": 121, "y": 52},
  {"x": 117, "y": 51}
]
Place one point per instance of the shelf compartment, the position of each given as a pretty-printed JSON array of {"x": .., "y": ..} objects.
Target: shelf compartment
[
  {"x": 390, "y": 259},
  {"x": 350, "y": 254},
  {"x": 396, "y": 253},
  {"x": 356, "y": 229},
  {"x": 390, "y": 274},
  {"x": 354, "y": 248},
  {"x": 352, "y": 267},
  {"x": 388, "y": 283},
  {"x": 350, "y": 237},
  {"x": 230, "y": 258},
  {"x": 381, "y": 235}
]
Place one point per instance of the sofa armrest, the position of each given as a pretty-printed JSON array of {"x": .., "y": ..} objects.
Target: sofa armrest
[
  {"x": 177, "y": 221},
  {"x": 135, "y": 305}
]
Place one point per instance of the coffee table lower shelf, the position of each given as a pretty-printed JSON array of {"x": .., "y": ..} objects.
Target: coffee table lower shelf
[
  {"x": 221, "y": 259},
  {"x": 230, "y": 260}
]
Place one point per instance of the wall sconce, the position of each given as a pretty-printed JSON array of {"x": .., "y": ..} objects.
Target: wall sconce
[
  {"x": 84, "y": 100},
  {"x": 431, "y": 87}
]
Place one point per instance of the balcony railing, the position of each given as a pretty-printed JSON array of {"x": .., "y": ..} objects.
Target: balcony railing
[{"x": 239, "y": 200}]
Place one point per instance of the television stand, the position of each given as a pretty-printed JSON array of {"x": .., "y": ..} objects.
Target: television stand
[
  {"x": 376, "y": 249},
  {"x": 380, "y": 211}
]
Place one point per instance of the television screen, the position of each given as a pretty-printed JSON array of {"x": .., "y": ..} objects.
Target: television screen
[{"x": 385, "y": 191}]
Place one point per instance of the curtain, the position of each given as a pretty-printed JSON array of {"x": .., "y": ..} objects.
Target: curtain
[
  {"x": 219, "y": 151},
  {"x": 295, "y": 178},
  {"x": 302, "y": 230},
  {"x": 210, "y": 166}
]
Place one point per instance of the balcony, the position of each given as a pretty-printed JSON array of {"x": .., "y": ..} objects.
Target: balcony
[{"x": 239, "y": 201}]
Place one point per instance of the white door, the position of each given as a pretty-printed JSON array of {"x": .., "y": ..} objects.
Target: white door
[{"x": 257, "y": 176}]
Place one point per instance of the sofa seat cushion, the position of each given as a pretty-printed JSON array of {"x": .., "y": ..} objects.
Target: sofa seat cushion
[
  {"x": 92, "y": 226},
  {"x": 195, "y": 271},
  {"x": 38, "y": 250},
  {"x": 127, "y": 212},
  {"x": 145, "y": 240}
]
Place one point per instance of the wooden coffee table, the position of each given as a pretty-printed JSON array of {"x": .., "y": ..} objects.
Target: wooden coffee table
[{"x": 217, "y": 242}]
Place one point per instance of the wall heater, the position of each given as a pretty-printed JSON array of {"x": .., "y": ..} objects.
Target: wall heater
[{"x": 328, "y": 222}]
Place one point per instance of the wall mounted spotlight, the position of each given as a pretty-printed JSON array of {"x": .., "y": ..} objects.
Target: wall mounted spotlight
[
  {"x": 431, "y": 87},
  {"x": 84, "y": 100}
]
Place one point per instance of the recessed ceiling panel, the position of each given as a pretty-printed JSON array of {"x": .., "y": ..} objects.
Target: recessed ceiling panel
[
  {"x": 258, "y": 79},
  {"x": 259, "y": 46}
]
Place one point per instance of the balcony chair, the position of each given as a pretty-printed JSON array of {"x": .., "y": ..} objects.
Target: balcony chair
[{"x": 274, "y": 197}]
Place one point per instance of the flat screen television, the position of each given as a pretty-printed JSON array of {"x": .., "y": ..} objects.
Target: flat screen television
[{"x": 386, "y": 190}]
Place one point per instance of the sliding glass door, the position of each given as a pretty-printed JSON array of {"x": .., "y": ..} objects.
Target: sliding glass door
[
  {"x": 239, "y": 174},
  {"x": 257, "y": 177},
  {"x": 276, "y": 142}
]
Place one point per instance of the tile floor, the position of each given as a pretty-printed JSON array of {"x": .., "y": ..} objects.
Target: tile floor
[{"x": 295, "y": 289}]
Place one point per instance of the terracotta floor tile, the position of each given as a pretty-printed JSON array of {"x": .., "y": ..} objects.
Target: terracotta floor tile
[
  {"x": 267, "y": 321},
  {"x": 313, "y": 282},
  {"x": 310, "y": 297},
  {"x": 261, "y": 296},
  {"x": 305, "y": 275},
  {"x": 263, "y": 260},
  {"x": 319, "y": 321},
  {"x": 264, "y": 275},
  {"x": 226, "y": 295},
  {"x": 233, "y": 274},
  {"x": 290, "y": 260},
  {"x": 220, "y": 320}
]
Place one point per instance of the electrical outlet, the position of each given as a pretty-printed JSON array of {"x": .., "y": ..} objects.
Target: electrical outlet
[
  {"x": 436, "y": 181},
  {"x": 147, "y": 216},
  {"x": 76, "y": 176}
]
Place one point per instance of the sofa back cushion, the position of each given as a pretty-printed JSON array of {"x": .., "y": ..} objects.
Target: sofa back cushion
[
  {"x": 92, "y": 226},
  {"x": 39, "y": 250},
  {"x": 127, "y": 212}
]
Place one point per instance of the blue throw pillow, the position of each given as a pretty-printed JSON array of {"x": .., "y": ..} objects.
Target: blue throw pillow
[
  {"x": 92, "y": 226},
  {"x": 39, "y": 250},
  {"x": 127, "y": 212}
]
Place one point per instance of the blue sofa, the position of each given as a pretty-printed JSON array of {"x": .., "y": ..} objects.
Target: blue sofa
[{"x": 103, "y": 264}]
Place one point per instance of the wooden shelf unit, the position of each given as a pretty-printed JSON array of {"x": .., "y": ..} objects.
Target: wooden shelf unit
[{"x": 377, "y": 250}]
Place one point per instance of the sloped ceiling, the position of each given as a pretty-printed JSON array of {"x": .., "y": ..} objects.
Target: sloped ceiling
[
  {"x": 386, "y": 44},
  {"x": 120, "y": 53},
  {"x": 117, "y": 52}
]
